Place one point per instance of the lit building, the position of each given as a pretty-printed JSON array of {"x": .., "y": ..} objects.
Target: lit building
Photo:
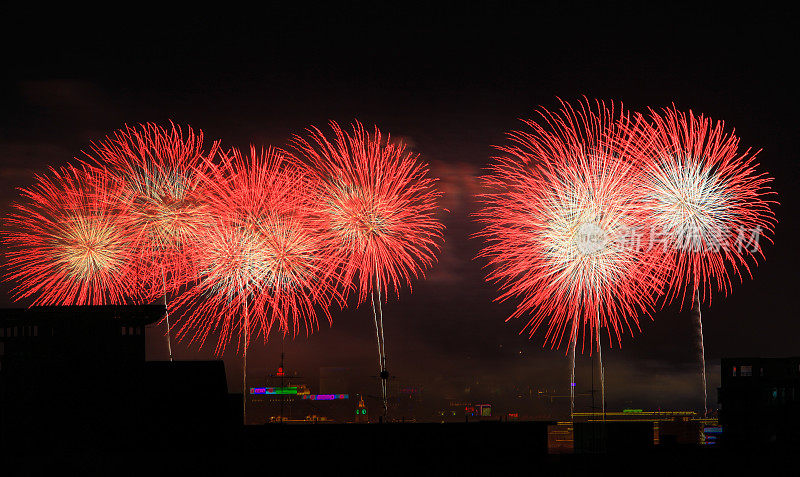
[
  {"x": 760, "y": 401},
  {"x": 406, "y": 406},
  {"x": 362, "y": 416},
  {"x": 460, "y": 411},
  {"x": 285, "y": 398},
  {"x": 656, "y": 428}
]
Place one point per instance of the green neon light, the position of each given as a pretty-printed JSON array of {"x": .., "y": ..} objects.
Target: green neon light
[{"x": 287, "y": 390}]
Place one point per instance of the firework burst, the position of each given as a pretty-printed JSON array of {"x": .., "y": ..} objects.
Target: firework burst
[
  {"x": 559, "y": 218},
  {"x": 261, "y": 262},
  {"x": 560, "y": 221},
  {"x": 378, "y": 201},
  {"x": 69, "y": 244},
  {"x": 708, "y": 204},
  {"x": 707, "y": 200},
  {"x": 376, "y": 197},
  {"x": 158, "y": 170}
]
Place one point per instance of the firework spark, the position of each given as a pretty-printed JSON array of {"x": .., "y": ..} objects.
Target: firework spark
[
  {"x": 260, "y": 258},
  {"x": 558, "y": 219},
  {"x": 707, "y": 200},
  {"x": 708, "y": 204},
  {"x": 560, "y": 223},
  {"x": 377, "y": 199},
  {"x": 69, "y": 244},
  {"x": 157, "y": 171}
]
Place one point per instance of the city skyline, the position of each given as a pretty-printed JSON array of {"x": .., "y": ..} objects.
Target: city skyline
[{"x": 450, "y": 89}]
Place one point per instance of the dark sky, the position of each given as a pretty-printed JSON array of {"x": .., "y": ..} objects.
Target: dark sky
[{"x": 449, "y": 80}]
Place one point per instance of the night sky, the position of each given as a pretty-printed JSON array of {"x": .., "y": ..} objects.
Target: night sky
[{"x": 449, "y": 81}]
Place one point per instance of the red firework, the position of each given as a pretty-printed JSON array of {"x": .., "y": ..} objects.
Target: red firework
[
  {"x": 70, "y": 244},
  {"x": 260, "y": 260},
  {"x": 707, "y": 200},
  {"x": 376, "y": 198},
  {"x": 559, "y": 216},
  {"x": 157, "y": 171}
]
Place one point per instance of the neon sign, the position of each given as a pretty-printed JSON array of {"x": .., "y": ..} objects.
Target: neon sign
[
  {"x": 277, "y": 390},
  {"x": 325, "y": 397}
]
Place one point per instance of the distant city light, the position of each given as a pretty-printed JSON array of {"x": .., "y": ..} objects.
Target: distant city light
[
  {"x": 277, "y": 390},
  {"x": 325, "y": 397}
]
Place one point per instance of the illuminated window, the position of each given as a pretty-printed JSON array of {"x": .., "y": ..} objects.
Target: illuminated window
[
  {"x": 124, "y": 330},
  {"x": 747, "y": 370},
  {"x": 733, "y": 371}
]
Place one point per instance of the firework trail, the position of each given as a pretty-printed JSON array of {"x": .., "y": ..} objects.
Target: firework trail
[
  {"x": 261, "y": 260},
  {"x": 68, "y": 244},
  {"x": 708, "y": 201},
  {"x": 378, "y": 201},
  {"x": 157, "y": 171},
  {"x": 572, "y": 345},
  {"x": 702, "y": 355},
  {"x": 559, "y": 220}
]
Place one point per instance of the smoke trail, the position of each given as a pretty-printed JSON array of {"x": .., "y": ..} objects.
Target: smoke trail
[
  {"x": 378, "y": 317},
  {"x": 602, "y": 375},
  {"x": 573, "y": 340},
  {"x": 244, "y": 362},
  {"x": 166, "y": 308},
  {"x": 696, "y": 311}
]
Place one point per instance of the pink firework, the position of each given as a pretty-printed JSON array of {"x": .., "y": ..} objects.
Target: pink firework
[
  {"x": 261, "y": 261},
  {"x": 69, "y": 243},
  {"x": 158, "y": 170},
  {"x": 560, "y": 222},
  {"x": 708, "y": 202}
]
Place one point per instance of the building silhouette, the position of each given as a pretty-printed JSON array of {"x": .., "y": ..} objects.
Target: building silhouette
[
  {"x": 77, "y": 376},
  {"x": 760, "y": 402}
]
